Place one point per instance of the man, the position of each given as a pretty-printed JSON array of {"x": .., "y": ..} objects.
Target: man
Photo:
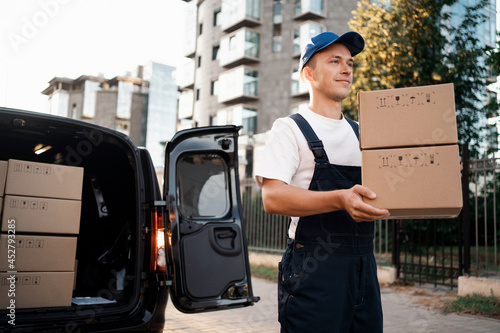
[{"x": 311, "y": 171}]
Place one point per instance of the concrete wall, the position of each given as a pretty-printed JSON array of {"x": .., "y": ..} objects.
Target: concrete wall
[{"x": 483, "y": 286}]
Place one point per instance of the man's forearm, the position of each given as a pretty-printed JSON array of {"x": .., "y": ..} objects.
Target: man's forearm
[{"x": 283, "y": 199}]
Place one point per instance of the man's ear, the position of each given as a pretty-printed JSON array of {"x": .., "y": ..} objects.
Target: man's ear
[{"x": 307, "y": 73}]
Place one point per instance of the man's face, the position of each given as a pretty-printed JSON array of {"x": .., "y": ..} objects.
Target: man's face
[{"x": 332, "y": 72}]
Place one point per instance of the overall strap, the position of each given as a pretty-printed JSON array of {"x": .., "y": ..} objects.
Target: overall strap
[
  {"x": 315, "y": 144},
  {"x": 354, "y": 125}
]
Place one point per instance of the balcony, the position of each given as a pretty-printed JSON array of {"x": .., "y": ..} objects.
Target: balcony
[
  {"x": 238, "y": 85},
  {"x": 185, "y": 75},
  {"x": 239, "y": 48},
  {"x": 236, "y": 14},
  {"x": 240, "y": 115},
  {"x": 186, "y": 105},
  {"x": 189, "y": 44},
  {"x": 309, "y": 9}
]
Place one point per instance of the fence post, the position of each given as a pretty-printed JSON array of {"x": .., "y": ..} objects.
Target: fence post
[
  {"x": 395, "y": 246},
  {"x": 465, "y": 214}
]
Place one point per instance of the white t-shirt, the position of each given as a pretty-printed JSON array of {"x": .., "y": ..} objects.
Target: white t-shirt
[{"x": 287, "y": 156}]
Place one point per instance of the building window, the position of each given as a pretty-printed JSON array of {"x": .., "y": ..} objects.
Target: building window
[
  {"x": 303, "y": 33},
  {"x": 199, "y": 61},
  {"x": 277, "y": 42},
  {"x": 201, "y": 28},
  {"x": 250, "y": 80},
  {"x": 197, "y": 94},
  {"x": 277, "y": 20},
  {"x": 249, "y": 121},
  {"x": 217, "y": 17},
  {"x": 252, "y": 41},
  {"x": 214, "y": 87},
  {"x": 215, "y": 52},
  {"x": 124, "y": 102},
  {"x": 277, "y": 16},
  {"x": 89, "y": 98},
  {"x": 253, "y": 9}
]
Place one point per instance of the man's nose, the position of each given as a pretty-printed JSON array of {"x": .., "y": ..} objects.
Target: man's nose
[{"x": 346, "y": 69}]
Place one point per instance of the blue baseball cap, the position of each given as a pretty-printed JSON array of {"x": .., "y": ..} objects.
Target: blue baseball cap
[{"x": 352, "y": 40}]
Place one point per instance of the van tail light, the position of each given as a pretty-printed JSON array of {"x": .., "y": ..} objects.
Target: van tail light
[{"x": 158, "y": 254}]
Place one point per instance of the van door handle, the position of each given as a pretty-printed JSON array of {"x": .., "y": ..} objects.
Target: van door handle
[
  {"x": 226, "y": 240},
  {"x": 229, "y": 234}
]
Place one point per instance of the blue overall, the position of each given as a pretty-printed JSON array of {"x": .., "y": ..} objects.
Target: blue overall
[{"x": 328, "y": 275}]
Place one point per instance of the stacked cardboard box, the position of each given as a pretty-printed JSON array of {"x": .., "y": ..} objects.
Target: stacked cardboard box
[
  {"x": 3, "y": 178},
  {"x": 410, "y": 155},
  {"x": 42, "y": 204}
]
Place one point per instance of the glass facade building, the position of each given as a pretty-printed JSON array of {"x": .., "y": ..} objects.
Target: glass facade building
[{"x": 162, "y": 109}]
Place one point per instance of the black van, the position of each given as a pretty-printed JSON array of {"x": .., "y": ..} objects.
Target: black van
[{"x": 188, "y": 242}]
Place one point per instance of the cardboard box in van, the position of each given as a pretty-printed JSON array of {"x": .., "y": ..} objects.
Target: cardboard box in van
[
  {"x": 38, "y": 253},
  {"x": 41, "y": 215},
  {"x": 35, "y": 289},
  {"x": 3, "y": 176},
  {"x": 44, "y": 180}
]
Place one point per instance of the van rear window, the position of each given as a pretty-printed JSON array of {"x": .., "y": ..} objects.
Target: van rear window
[{"x": 202, "y": 186}]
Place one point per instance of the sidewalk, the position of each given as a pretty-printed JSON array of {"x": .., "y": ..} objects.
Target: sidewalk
[{"x": 401, "y": 314}]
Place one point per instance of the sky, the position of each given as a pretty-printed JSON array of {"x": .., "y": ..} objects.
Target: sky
[{"x": 42, "y": 39}]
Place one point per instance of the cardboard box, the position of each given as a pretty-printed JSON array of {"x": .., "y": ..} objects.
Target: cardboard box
[
  {"x": 407, "y": 117},
  {"x": 44, "y": 180},
  {"x": 3, "y": 176},
  {"x": 42, "y": 215},
  {"x": 414, "y": 182},
  {"x": 38, "y": 253},
  {"x": 35, "y": 289}
]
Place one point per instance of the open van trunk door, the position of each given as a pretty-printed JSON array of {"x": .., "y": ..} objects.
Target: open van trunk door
[{"x": 207, "y": 256}]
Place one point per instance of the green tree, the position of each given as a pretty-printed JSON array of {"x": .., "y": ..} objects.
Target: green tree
[{"x": 412, "y": 43}]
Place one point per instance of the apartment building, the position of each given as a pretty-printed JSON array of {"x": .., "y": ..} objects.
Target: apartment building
[
  {"x": 141, "y": 104},
  {"x": 244, "y": 58}
]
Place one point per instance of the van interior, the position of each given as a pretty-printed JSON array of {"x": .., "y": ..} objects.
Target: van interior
[{"x": 107, "y": 256}]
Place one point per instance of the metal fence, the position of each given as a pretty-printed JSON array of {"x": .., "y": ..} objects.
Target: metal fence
[
  {"x": 483, "y": 186},
  {"x": 428, "y": 251}
]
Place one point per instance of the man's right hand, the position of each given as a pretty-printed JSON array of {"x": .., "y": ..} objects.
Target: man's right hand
[{"x": 352, "y": 202}]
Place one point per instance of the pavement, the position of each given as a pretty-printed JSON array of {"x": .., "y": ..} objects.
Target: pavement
[{"x": 407, "y": 311}]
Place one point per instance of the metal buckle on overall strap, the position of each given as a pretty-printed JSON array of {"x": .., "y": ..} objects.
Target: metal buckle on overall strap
[{"x": 317, "y": 150}]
